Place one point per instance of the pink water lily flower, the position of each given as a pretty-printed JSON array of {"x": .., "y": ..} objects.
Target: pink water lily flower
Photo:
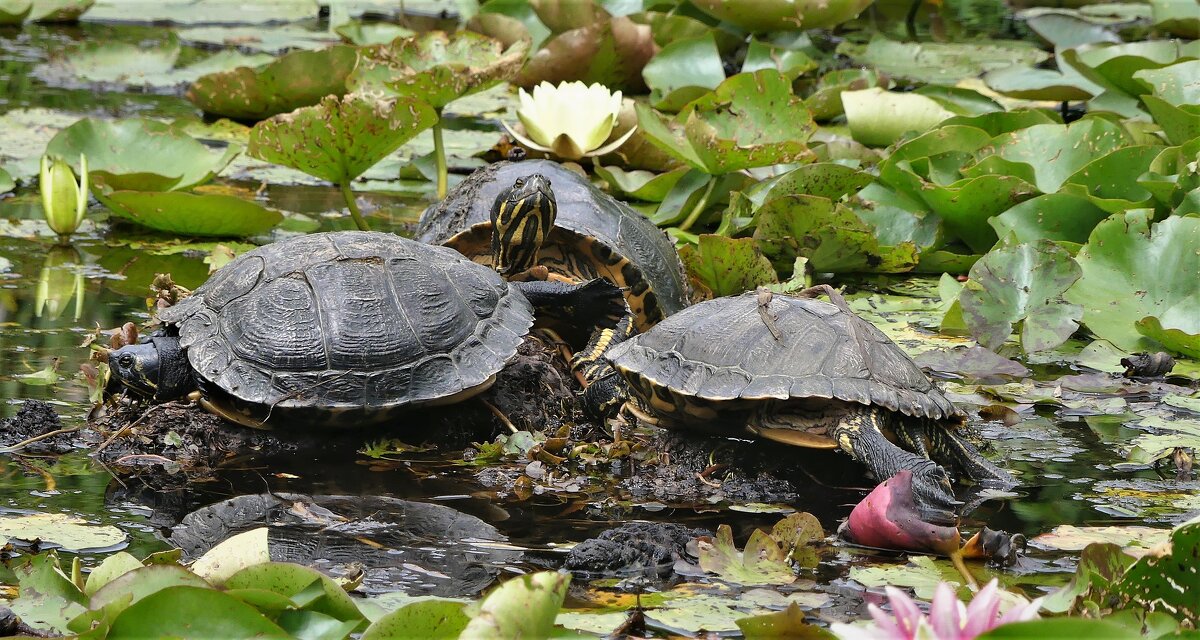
[{"x": 948, "y": 617}]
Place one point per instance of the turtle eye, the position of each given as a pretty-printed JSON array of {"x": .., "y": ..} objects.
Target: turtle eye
[
  {"x": 125, "y": 360},
  {"x": 519, "y": 183}
]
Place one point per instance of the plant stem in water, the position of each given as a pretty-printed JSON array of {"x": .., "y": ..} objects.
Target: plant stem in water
[
  {"x": 348, "y": 195},
  {"x": 439, "y": 152},
  {"x": 700, "y": 206}
]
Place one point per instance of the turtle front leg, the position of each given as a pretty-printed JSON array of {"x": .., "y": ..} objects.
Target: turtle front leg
[
  {"x": 951, "y": 449},
  {"x": 859, "y": 432}
]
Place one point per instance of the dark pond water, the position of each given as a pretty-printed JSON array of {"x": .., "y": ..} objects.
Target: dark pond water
[{"x": 52, "y": 296}]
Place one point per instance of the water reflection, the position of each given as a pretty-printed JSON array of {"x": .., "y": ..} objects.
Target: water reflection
[{"x": 59, "y": 283}]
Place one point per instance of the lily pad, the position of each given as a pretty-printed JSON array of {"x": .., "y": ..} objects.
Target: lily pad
[
  {"x": 1054, "y": 216},
  {"x": 139, "y": 154},
  {"x": 47, "y": 598},
  {"x": 307, "y": 587},
  {"x": 191, "y": 214},
  {"x": 1050, "y": 154},
  {"x": 6, "y": 182},
  {"x": 298, "y": 79},
  {"x": 60, "y": 529},
  {"x": 640, "y": 185},
  {"x": 1175, "y": 340},
  {"x": 192, "y": 612},
  {"x": 191, "y": 12},
  {"x": 113, "y": 567},
  {"x": 358, "y": 32},
  {"x": 1133, "y": 270},
  {"x": 750, "y": 120},
  {"x": 762, "y": 562},
  {"x": 830, "y": 235},
  {"x": 59, "y": 10},
  {"x": 1072, "y": 538},
  {"x": 825, "y": 101},
  {"x": 611, "y": 52},
  {"x": 1167, "y": 582},
  {"x": 941, "y": 63},
  {"x": 921, "y": 574},
  {"x": 522, "y": 607},
  {"x": 1030, "y": 83},
  {"x": 232, "y": 555},
  {"x": 782, "y": 15},
  {"x": 273, "y": 40},
  {"x": 879, "y": 117},
  {"x": 433, "y": 619},
  {"x": 340, "y": 138},
  {"x": 14, "y": 11},
  {"x": 727, "y": 266},
  {"x": 436, "y": 68},
  {"x": 1022, "y": 284},
  {"x": 1177, "y": 18},
  {"x": 683, "y": 71}
]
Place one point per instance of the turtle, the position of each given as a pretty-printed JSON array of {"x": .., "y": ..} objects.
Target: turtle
[
  {"x": 344, "y": 328},
  {"x": 517, "y": 215},
  {"x": 800, "y": 371}
]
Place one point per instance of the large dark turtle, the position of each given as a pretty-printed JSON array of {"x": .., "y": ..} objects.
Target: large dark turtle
[
  {"x": 802, "y": 372},
  {"x": 344, "y": 328},
  {"x": 555, "y": 218}
]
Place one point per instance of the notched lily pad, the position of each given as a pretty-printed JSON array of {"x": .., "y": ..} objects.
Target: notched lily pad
[
  {"x": 191, "y": 213},
  {"x": 762, "y": 562},
  {"x": 60, "y": 529},
  {"x": 727, "y": 266},
  {"x": 783, "y": 15},
  {"x": 611, "y": 52}
]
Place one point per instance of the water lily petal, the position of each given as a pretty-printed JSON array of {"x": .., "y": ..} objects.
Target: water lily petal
[
  {"x": 524, "y": 140},
  {"x": 1021, "y": 613},
  {"x": 981, "y": 614},
  {"x": 946, "y": 612},
  {"x": 846, "y": 631},
  {"x": 886, "y": 624},
  {"x": 908, "y": 615},
  {"x": 565, "y": 147},
  {"x": 612, "y": 146}
]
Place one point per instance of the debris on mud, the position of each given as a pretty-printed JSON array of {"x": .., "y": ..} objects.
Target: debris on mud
[
  {"x": 37, "y": 418},
  {"x": 651, "y": 549}
]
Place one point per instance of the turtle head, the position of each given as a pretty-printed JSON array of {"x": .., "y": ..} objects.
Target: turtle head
[
  {"x": 157, "y": 368},
  {"x": 522, "y": 218}
]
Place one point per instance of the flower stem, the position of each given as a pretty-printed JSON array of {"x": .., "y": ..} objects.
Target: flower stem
[
  {"x": 439, "y": 152},
  {"x": 348, "y": 195},
  {"x": 700, "y": 206}
]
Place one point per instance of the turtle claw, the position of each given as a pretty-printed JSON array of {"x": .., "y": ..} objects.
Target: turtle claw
[{"x": 933, "y": 494}]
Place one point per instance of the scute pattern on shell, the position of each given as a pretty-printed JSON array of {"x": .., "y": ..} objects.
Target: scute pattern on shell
[
  {"x": 582, "y": 208},
  {"x": 350, "y": 320},
  {"x": 722, "y": 350}
]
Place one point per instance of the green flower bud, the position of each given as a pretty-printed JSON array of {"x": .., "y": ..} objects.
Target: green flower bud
[{"x": 63, "y": 200}]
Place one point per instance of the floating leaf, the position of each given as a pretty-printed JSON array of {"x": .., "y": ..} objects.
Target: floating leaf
[
  {"x": 830, "y": 235},
  {"x": 522, "y": 607},
  {"x": 1068, "y": 537},
  {"x": 192, "y": 612},
  {"x": 783, "y": 15},
  {"x": 232, "y": 555},
  {"x": 6, "y": 182},
  {"x": 1054, "y": 216},
  {"x": 611, "y": 52},
  {"x": 298, "y": 79},
  {"x": 436, "y": 68},
  {"x": 921, "y": 574},
  {"x": 14, "y": 12},
  {"x": 1029, "y": 83},
  {"x": 788, "y": 623},
  {"x": 750, "y": 120},
  {"x": 428, "y": 619},
  {"x": 683, "y": 71},
  {"x": 1050, "y": 154},
  {"x": 340, "y": 138},
  {"x": 139, "y": 154},
  {"x": 1058, "y": 628},
  {"x": 113, "y": 567},
  {"x": 68, "y": 532},
  {"x": 762, "y": 562},
  {"x": 274, "y": 40},
  {"x": 879, "y": 118},
  {"x": 825, "y": 101},
  {"x": 191, "y": 214},
  {"x": 944, "y": 63},
  {"x": 727, "y": 266},
  {"x": 47, "y": 598},
  {"x": 1167, "y": 582},
  {"x": 309, "y": 588},
  {"x": 1177, "y": 18},
  {"x": 191, "y": 12},
  {"x": 1169, "y": 436},
  {"x": 1022, "y": 284},
  {"x": 1133, "y": 270}
]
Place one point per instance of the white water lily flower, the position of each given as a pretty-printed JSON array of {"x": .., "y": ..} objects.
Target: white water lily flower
[
  {"x": 571, "y": 120},
  {"x": 64, "y": 201}
]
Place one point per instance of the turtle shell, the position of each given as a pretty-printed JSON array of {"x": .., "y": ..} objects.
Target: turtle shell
[
  {"x": 722, "y": 352},
  {"x": 595, "y": 235},
  {"x": 349, "y": 325}
]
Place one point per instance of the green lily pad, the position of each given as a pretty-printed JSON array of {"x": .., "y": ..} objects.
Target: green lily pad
[
  {"x": 522, "y": 607},
  {"x": 788, "y": 623},
  {"x": 1133, "y": 270},
  {"x": 1054, "y": 216},
  {"x": 364, "y": 34},
  {"x": 1176, "y": 18},
  {"x": 191, "y": 214},
  {"x": 750, "y": 120},
  {"x": 139, "y": 154},
  {"x": 564, "y": 15},
  {"x": 611, "y": 52},
  {"x": 921, "y": 574},
  {"x": 308, "y": 588},
  {"x": 113, "y": 567},
  {"x": 640, "y": 185},
  {"x": 1051, "y": 153},
  {"x": 232, "y": 555},
  {"x": 1180, "y": 123},
  {"x": 61, "y": 530},
  {"x": 6, "y": 182},
  {"x": 1174, "y": 83},
  {"x": 1110, "y": 181},
  {"x": 1113, "y": 66},
  {"x": 941, "y": 63},
  {"x": 427, "y": 619},
  {"x": 683, "y": 71},
  {"x": 510, "y": 21},
  {"x": 59, "y": 10},
  {"x": 1022, "y": 284},
  {"x": 192, "y": 12},
  {"x": 965, "y": 206},
  {"x": 340, "y": 138},
  {"x": 879, "y": 118},
  {"x": 1175, "y": 340},
  {"x": 1058, "y": 628},
  {"x": 826, "y": 101},
  {"x": 1000, "y": 122},
  {"x": 727, "y": 266},
  {"x": 1064, "y": 29},
  {"x": 1169, "y": 435},
  {"x": 763, "y": 561},
  {"x": 298, "y": 79},
  {"x": 830, "y": 235},
  {"x": 782, "y": 15},
  {"x": 47, "y": 599},
  {"x": 436, "y": 68},
  {"x": 822, "y": 179},
  {"x": 192, "y": 612},
  {"x": 960, "y": 100},
  {"x": 1030, "y": 83},
  {"x": 790, "y": 62}
]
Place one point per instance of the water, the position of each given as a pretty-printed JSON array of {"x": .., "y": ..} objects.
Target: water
[{"x": 52, "y": 296}]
